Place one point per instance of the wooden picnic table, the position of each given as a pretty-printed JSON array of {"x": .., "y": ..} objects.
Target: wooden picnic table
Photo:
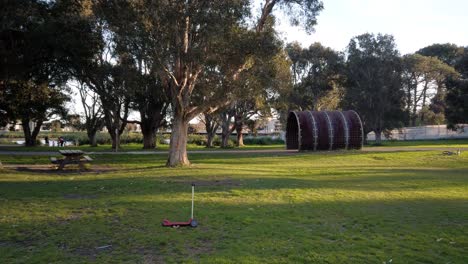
[{"x": 71, "y": 157}]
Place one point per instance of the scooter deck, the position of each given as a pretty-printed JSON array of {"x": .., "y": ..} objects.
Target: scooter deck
[{"x": 172, "y": 224}]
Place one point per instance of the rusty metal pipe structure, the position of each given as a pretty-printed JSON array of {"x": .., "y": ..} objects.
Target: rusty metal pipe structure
[{"x": 324, "y": 130}]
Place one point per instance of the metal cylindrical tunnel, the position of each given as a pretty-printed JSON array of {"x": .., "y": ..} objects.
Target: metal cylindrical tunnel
[{"x": 324, "y": 130}]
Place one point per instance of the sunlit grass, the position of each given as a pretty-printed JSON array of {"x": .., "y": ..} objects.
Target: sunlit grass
[
  {"x": 455, "y": 143},
  {"x": 136, "y": 147},
  {"x": 327, "y": 207}
]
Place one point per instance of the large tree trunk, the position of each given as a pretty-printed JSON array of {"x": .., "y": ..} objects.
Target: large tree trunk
[
  {"x": 115, "y": 124},
  {"x": 415, "y": 104},
  {"x": 149, "y": 138},
  {"x": 378, "y": 137},
  {"x": 226, "y": 129},
  {"x": 148, "y": 129},
  {"x": 30, "y": 136},
  {"x": 210, "y": 139},
  {"x": 152, "y": 118},
  {"x": 210, "y": 126},
  {"x": 225, "y": 134},
  {"x": 92, "y": 138},
  {"x": 225, "y": 140},
  {"x": 115, "y": 140},
  {"x": 115, "y": 129},
  {"x": 424, "y": 104},
  {"x": 240, "y": 136},
  {"x": 28, "y": 140},
  {"x": 178, "y": 146}
]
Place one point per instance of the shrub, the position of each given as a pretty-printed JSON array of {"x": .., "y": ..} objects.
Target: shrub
[
  {"x": 199, "y": 140},
  {"x": 263, "y": 140}
]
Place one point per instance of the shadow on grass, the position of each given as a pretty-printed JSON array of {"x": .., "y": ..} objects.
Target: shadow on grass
[
  {"x": 105, "y": 185},
  {"x": 319, "y": 231}
]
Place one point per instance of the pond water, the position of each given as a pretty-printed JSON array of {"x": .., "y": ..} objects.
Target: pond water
[{"x": 52, "y": 143}]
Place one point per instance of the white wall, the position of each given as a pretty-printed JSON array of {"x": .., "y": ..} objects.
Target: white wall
[{"x": 425, "y": 132}]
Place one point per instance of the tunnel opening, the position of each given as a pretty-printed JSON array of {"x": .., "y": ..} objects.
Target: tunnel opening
[{"x": 292, "y": 131}]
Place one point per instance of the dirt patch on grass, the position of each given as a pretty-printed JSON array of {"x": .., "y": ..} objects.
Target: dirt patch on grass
[
  {"x": 221, "y": 182},
  {"x": 75, "y": 196},
  {"x": 92, "y": 252},
  {"x": 70, "y": 217},
  {"x": 149, "y": 255},
  {"x": 17, "y": 243},
  {"x": 202, "y": 248}
]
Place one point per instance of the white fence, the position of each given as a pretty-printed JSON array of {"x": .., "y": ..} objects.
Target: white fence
[{"x": 424, "y": 132}]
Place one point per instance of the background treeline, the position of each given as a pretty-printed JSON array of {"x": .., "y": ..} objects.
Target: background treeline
[
  {"x": 387, "y": 89},
  {"x": 220, "y": 61}
]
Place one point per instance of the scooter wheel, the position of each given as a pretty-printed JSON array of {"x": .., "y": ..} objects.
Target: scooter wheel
[{"x": 194, "y": 223}]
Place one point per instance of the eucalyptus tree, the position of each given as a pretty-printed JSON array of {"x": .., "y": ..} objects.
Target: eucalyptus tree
[
  {"x": 318, "y": 77},
  {"x": 424, "y": 80},
  {"x": 135, "y": 46},
  {"x": 264, "y": 85},
  {"x": 374, "y": 86},
  {"x": 447, "y": 52},
  {"x": 110, "y": 81},
  {"x": 189, "y": 36},
  {"x": 93, "y": 112},
  {"x": 211, "y": 126},
  {"x": 457, "y": 95},
  {"x": 451, "y": 55}
]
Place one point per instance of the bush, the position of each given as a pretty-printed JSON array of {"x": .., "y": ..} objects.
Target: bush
[
  {"x": 199, "y": 140},
  {"x": 263, "y": 140},
  {"x": 231, "y": 142}
]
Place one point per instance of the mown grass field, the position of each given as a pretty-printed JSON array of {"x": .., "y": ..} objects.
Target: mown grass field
[
  {"x": 137, "y": 147},
  {"x": 329, "y": 207},
  {"x": 132, "y": 147}
]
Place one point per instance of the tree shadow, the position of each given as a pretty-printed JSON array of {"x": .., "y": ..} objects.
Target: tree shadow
[{"x": 300, "y": 232}]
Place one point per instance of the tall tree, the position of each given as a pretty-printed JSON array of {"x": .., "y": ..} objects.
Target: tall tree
[
  {"x": 318, "y": 74},
  {"x": 457, "y": 95},
  {"x": 374, "y": 85},
  {"x": 211, "y": 126},
  {"x": 194, "y": 30},
  {"x": 39, "y": 40},
  {"x": 424, "y": 81},
  {"x": 108, "y": 74},
  {"x": 448, "y": 53},
  {"x": 189, "y": 36},
  {"x": 134, "y": 44},
  {"x": 93, "y": 113}
]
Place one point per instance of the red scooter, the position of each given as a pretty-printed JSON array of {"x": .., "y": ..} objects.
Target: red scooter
[{"x": 191, "y": 222}]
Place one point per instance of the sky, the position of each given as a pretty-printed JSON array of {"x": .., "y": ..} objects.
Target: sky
[{"x": 414, "y": 23}]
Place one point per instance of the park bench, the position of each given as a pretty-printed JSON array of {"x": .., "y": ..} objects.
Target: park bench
[{"x": 71, "y": 157}]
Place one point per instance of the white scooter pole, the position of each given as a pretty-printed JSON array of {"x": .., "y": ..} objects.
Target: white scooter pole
[{"x": 193, "y": 194}]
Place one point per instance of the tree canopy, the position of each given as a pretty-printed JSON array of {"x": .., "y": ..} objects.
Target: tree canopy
[
  {"x": 374, "y": 82},
  {"x": 39, "y": 41}
]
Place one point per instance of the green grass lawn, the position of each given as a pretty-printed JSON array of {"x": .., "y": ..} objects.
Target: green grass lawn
[
  {"x": 340, "y": 207},
  {"x": 136, "y": 147},
  {"x": 456, "y": 143}
]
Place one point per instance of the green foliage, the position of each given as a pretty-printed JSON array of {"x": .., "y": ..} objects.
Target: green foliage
[
  {"x": 263, "y": 140},
  {"x": 457, "y": 102},
  {"x": 318, "y": 74},
  {"x": 374, "y": 85},
  {"x": 422, "y": 74},
  {"x": 457, "y": 94},
  {"x": 448, "y": 53},
  {"x": 39, "y": 41}
]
